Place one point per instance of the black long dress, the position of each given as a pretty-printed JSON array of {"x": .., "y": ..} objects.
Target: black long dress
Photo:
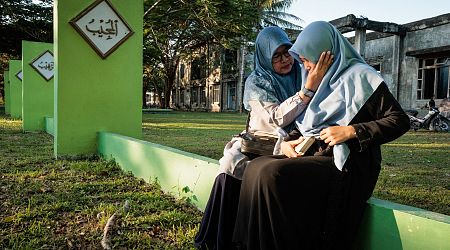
[
  {"x": 216, "y": 228},
  {"x": 306, "y": 203}
]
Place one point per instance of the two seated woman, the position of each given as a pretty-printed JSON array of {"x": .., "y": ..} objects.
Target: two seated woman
[{"x": 315, "y": 201}]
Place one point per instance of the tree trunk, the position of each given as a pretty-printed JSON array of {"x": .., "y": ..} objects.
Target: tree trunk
[
  {"x": 171, "y": 67},
  {"x": 144, "y": 91},
  {"x": 168, "y": 89},
  {"x": 158, "y": 93}
]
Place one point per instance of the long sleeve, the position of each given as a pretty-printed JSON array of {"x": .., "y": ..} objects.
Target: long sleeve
[
  {"x": 268, "y": 109},
  {"x": 266, "y": 116},
  {"x": 383, "y": 120}
]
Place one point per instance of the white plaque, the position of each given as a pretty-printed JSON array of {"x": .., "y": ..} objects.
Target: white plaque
[
  {"x": 20, "y": 75},
  {"x": 102, "y": 27},
  {"x": 44, "y": 65}
]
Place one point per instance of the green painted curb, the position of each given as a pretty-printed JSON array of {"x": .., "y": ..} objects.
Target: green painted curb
[
  {"x": 386, "y": 225},
  {"x": 179, "y": 173}
]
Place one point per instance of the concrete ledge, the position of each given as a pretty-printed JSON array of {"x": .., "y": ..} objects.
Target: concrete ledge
[
  {"x": 386, "y": 225},
  {"x": 389, "y": 225},
  {"x": 156, "y": 110},
  {"x": 179, "y": 173},
  {"x": 49, "y": 125}
]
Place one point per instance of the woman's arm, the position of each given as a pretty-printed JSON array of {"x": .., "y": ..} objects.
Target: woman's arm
[
  {"x": 286, "y": 112},
  {"x": 384, "y": 121}
]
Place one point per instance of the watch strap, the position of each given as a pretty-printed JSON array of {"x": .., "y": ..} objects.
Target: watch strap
[{"x": 307, "y": 92}]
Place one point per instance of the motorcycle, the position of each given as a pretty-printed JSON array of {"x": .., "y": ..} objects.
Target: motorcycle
[{"x": 433, "y": 121}]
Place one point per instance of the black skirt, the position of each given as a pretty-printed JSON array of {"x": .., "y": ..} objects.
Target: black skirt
[
  {"x": 216, "y": 228},
  {"x": 288, "y": 203}
]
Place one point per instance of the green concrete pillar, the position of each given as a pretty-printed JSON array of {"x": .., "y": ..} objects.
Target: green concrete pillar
[
  {"x": 37, "y": 87},
  {"x": 15, "y": 84},
  {"x": 98, "y": 72},
  {"x": 7, "y": 92}
]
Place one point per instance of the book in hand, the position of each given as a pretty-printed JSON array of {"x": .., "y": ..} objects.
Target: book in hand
[{"x": 304, "y": 145}]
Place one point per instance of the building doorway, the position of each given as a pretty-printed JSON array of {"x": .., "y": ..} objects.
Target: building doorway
[{"x": 231, "y": 97}]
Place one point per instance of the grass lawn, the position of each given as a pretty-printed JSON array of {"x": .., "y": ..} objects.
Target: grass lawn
[{"x": 65, "y": 204}]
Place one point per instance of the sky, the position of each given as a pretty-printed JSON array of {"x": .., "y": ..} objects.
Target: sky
[{"x": 395, "y": 11}]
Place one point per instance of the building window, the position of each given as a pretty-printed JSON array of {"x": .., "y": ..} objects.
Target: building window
[
  {"x": 433, "y": 78},
  {"x": 198, "y": 68},
  {"x": 230, "y": 61},
  {"x": 231, "y": 98},
  {"x": 194, "y": 95},
  {"x": 181, "y": 71},
  {"x": 377, "y": 67},
  {"x": 216, "y": 93},
  {"x": 181, "y": 96},
  {"x": 174, "y": 96},
  {"x": 203, "y": 95}
]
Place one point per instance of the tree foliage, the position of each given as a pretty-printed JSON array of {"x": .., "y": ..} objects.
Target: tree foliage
[
  {"x": 177, "y": 29},
  {"x": 24, "y": 20},
  {"x": 272, "y": 13}
]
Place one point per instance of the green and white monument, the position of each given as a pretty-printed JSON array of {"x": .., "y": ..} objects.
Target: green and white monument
[
  {"x": 37, "y": 87},
  {"x": 7, "y": 92},
  {"x": 98, "y": 72},
  {"x": 15, "y": 85}
]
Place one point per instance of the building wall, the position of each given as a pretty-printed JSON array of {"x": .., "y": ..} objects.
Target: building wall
[
  {"x": 400, "y": 71},
  {"x": 220, "y": 81},
  {"x": 380, "y": 52},
  {"x": 432, "y": 37}
]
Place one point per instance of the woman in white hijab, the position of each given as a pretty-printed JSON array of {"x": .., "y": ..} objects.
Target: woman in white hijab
[{"x": 316, "y": 201}]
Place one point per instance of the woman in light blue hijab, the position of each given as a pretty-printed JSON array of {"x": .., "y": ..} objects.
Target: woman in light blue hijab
[
  {"x": 346, "y": 86},
  {"x": 316, "y": 200},
  {"x": 266, "y": 83}
]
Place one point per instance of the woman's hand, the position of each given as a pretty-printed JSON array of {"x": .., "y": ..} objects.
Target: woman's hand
[
  {"x": 288, "y": 147},
  {"x": 318, "y": 71},
  {"x": 337, "y": 134}
]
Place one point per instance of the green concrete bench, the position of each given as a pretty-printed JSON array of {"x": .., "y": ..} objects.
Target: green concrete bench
[
  {"x": 156, "y": 110},
  {"x": 386, "y": 225}
]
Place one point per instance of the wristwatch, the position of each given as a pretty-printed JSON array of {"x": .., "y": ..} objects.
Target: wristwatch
[{"x": 307, "y": 92}]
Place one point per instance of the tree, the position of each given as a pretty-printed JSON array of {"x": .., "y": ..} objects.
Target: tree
[
  {"x": 177, "y": 29},
  {"x": 272, "y": 13},
  {"x": 24, "y": 20}
]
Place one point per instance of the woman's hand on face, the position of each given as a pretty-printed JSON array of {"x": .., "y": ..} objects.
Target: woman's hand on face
[
  {"x": 318, "y": 70},
  {"x": 288, "y": 147},
  {"x": 337, "y": 134}
]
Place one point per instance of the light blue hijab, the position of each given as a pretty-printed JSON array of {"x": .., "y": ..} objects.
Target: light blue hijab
[
  {"x": 345, "y": 88},
  {"x": 264, "y": 84}
]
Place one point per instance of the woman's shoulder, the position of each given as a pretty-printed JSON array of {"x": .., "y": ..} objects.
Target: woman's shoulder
[
  {"x": 257, "y": 77},
  {"x": 258, "y": 80},
  {"x": 362, "y": 70}
]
